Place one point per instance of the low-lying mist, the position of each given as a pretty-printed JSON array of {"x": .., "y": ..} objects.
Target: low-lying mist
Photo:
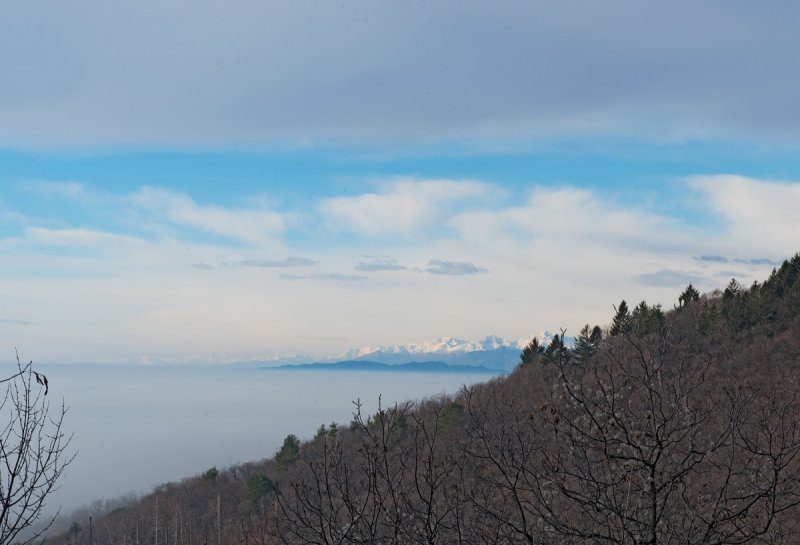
[{"x": 138, "y": 426}]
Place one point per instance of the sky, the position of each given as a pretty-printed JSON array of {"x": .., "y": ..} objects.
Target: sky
[{"x": 212, "y": 181}]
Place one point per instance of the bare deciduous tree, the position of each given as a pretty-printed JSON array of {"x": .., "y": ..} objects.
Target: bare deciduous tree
[
  {"x": 651, "y": 446},
  {"x": 648, "y": 444},
  {"x": 33, "y": 454},
  {"x": 347, "y": 493}
]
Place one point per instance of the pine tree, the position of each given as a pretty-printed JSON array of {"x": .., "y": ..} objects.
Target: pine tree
[
  {"x": 733, "y": 289},
  {"x": 557, "y": 351},
  {"x": 621, "y": 323},
  {"x": 586, "y": 343},
  {"x": 646, "y": 319},
  {"x": 531, "y": 351},
  {"x": 689, "y": 295},
  {"x": 596, "y": 335},
  {"x": 288, "y": 453}
]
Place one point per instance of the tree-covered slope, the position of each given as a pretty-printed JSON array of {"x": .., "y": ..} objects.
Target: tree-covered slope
[{"x": 664, "y": 427}]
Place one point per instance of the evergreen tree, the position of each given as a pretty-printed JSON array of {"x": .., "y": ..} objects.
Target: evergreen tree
[
  {"x": 621, "y": 323},
  {"x": 782, "y": 280},
  {"x": 73, "y": 533},
  {"x": 259, "y": 486},
  {"x": 792, "y": 295},
  {"x": 288, "y": 453},
  {"x": 333, "y": 429},
  {"x": 733, "y": 303},
  {"x": 733, "y": 290},
  {"x": 596, "y": 335},
  {"x": 322, "y": 431},
  {"x": 646, "y": 319},
  {"x": 689, "y": 295},
  {"x": 557, "y": 351},
  {"x": 586, "y": 343},
  {"x": 531, "y": 351},
  {"x": 211, "y": 474}
]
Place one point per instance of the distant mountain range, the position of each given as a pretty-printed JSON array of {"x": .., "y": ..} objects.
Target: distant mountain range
[
  {"x": 491, "y": 352},
  {"x": 442, "y": 345},
  {"x": 410, "y": 367}
]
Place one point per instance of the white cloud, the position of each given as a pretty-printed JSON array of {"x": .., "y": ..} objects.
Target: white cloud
[
  {"x": 403, "y": 207},
  {"x": 65, "y": 253},
  {"x": 258, "y": 226},
  {"x": 567, "y": 215},
  {"x": 559, "y": 258},
  {"x": 759, "y": 216},
  {"x": 80, "y": 238}
]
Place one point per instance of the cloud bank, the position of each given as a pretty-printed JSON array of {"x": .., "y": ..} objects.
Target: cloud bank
[
  {"x": 154, "y": 273},
  {"x": 402, "y": 207}
]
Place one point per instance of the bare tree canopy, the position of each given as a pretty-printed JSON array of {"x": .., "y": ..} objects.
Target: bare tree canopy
[{"x": 33, "y": 454}]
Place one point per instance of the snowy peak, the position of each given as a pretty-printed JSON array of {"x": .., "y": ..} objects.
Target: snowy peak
[
  {"x": 491, "y": 351},
  {"x": 447, "y": 345},
  {"x": 493, "y": 342},
  {"x": 442, "y": 345},
  {"x": 544, "y": 338}
]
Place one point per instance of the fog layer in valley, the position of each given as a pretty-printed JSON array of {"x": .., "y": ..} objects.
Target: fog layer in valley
[{"x": 139, "y": 426}]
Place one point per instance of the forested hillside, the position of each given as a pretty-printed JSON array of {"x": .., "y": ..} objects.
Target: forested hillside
[{"x": 665, "y": 426}]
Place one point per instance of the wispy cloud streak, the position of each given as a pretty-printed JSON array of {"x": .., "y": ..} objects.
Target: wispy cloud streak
[{"x": 453, "y": 268}]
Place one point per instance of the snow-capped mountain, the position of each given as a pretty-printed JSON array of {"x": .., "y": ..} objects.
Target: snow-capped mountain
[
  {"x": 491, "y": 351},
  {"x": 449, "y": 345},
  {"x": 442, "y": 345}
]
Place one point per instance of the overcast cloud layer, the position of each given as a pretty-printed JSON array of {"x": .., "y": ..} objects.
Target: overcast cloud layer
[{"x": 94, "y": 73}]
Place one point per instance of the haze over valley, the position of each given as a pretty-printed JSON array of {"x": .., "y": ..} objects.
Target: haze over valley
[{"x": 139, "y": 426}]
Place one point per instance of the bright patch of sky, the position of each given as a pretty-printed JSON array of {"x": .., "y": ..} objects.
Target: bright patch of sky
[{"x": 210, "y": 182}]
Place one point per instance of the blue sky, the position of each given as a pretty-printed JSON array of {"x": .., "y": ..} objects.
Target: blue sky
[{"x": 206, "y": 182}]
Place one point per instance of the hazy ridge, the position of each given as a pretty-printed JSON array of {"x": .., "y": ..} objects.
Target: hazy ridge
[{"x": 408, "y": 367}]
